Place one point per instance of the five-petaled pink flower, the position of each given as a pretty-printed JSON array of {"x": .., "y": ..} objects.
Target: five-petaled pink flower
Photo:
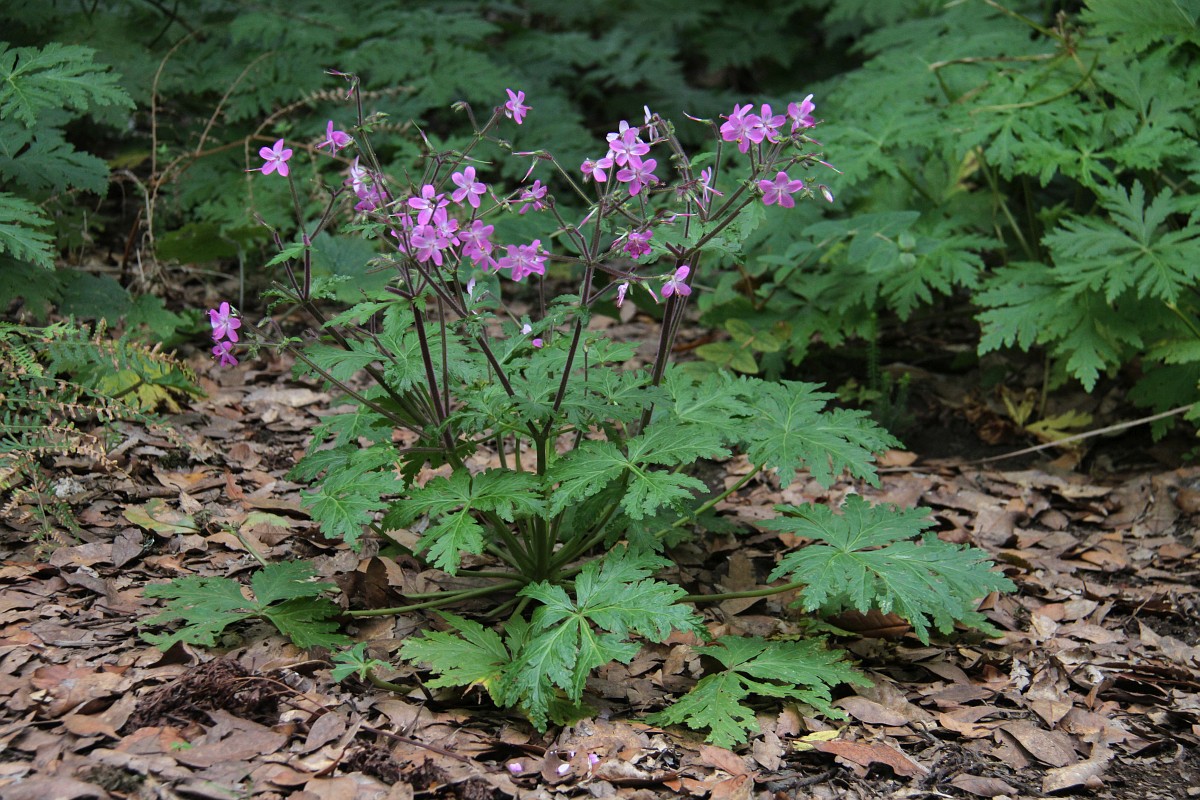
[
  {"x": 626, "y": 146},
  {"x": 533, "y": 197},
  {"x": 515, "y": 108},
  {"x": 276, "y": 158},
  {"x": 638, "y": 243},
  {"x": 428, "y": 202},
  {"x": 224, "y": 327},
  {"x": 771, "y": 123},
  {"x": 224, "y": 324},
  {"x": 801, "y": 114},
  {"x": 477, "y": 244},
  {"x": 334, "y": 140},
  {"x": 743, "y": 127},
  {"x": 677, "y": 285},
  {"x": 780, "y": 190},
  {"x": 596, "y": 169},
  {"x": 468, "y": 189},
  {"x": 638, "y": 174},
  {"x": 222, "y": 352},
  {"x": 523, "y": 259}
]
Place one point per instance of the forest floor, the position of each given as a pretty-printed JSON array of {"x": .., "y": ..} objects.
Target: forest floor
[{"x": 1091, "y": 691}]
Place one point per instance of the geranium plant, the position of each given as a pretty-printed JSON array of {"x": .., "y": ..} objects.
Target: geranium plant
[{"x": 522, "y": 452}]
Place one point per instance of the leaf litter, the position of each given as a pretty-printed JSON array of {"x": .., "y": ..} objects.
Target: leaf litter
[{"x": 1091, "y": 690}]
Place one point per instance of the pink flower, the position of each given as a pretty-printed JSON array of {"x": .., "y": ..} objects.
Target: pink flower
[
  {"x": 476, "y": 242},
  {"x": 515, "y": 108},
  {"x": 368, "y": 194},
  {"x": 706, "y": 178},
  {"x": 468, "y": 188},
  {"x": 801, "y": 114},
  {"x": 527, "y": 329},
  {"x": 621, "y": 290},
  {"x": 780, "y": 190},
  {"x": 222, "y": 352},
  {"x": 638, "y": 175},
  {"x": 276, "y": 158},
  {"x": 523, "y": 259},
  {"x": 596, "y": 169},
  {"x": 625, "y": 147},
  {"x": 533, "y": 197},
  {"x": 335, "y": 140},
  {"x": 429, "y": 202},
  {"x": 638, "y": 243},
  {"x": 771, "y": 123},
  {"x": 742, "y": 127},
  {"x": 677, "y": 285},
  {"x": 224, "y": 324},
  {"x": 430, "y": 240}
]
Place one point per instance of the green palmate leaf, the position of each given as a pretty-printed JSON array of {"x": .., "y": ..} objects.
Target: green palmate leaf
[
  {"x": 650, "y": 490},
  {"x": 206, "y": 605},
  {"x": 509, "y": 493},
  {"x": 287, "y": 580},
  {"x": 345, "y": 503},
  {"x": 569, "y": 637},
  {"x": 713, "y": 404},
  {"x": 868, "y": 560},
  {"x": 354, "y": 662},
  {"x": 475, "y": 655},
  {"x": 1132, "y": 250},
  {"x": 307, "y": 621},
  {"x": 449, "y": 537},
  {"x": 803, "y": 671},
  {"x": 593, "y": 465},
  {"x": 552, "y": 659},
  {"x": 714, "y": 703},
  {"x": 730, "y": 355},
  {"x": 339, "y": 363},
  {"x": 285, "y": 595},
  {"x": 789, "y": 430},
  {"x": 350, "y": 426},
  {"x": 451, "y": 503},
  {"x": 584, "y": 472}
]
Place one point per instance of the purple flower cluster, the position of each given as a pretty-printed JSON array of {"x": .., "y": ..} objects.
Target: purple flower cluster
[
  {"x": 745, "y": 128},
  {"x": 625, "y": 151},
  {"x": 224, "y": 333},
  {"x": 428, "y": 233}
]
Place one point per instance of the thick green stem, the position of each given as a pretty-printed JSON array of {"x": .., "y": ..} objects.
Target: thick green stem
[
  {"x": 450, "y": 597},
  {"x": 710, "y": 503},
  {"x": 379, "y": 682}
]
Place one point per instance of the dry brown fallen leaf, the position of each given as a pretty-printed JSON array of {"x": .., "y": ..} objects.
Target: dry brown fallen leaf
[
  {"x": 1084, "y": 773},
  {"x": 982, "y": 787},
  {"x": 864, "y": 755}
]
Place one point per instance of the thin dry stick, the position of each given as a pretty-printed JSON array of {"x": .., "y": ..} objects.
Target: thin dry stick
[{"x": 1120, "y": 426}]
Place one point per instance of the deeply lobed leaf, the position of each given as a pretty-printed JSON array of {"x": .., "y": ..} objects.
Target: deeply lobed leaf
[{"x": 868, "y": 559}]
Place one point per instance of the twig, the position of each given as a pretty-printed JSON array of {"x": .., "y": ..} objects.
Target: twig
[{"x": 1079, "y": 437}]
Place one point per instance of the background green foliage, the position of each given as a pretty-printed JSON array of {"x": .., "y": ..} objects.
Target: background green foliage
[
  {"x": 1036, "y": 162},
  {"x": 1028, "y": 162}
]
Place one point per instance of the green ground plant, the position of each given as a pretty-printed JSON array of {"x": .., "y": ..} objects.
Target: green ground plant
[
  {"x": 63, "y": 388},
  {"x": 1035, "y": 160},
  {"x": 498, "y": 437}
]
